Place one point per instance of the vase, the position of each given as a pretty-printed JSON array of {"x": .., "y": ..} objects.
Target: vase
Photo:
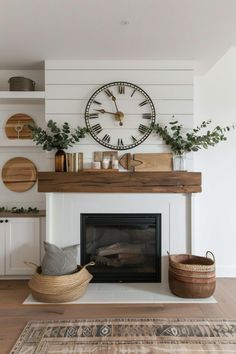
[
  {"x": 60, "y": 161},
  {"x": 180, "y": 163}
]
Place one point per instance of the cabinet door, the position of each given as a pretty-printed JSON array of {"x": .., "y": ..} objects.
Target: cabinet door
[
  {"x": 2, "y": 246},
  {"x": 22, "y": 244}
]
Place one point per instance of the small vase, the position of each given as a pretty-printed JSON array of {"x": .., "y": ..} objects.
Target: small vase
[
  {"x": 60, "y": 161},
  {"x": 180, "y": 163}
]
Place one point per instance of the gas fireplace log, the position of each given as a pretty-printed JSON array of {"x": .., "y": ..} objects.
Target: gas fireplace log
[
  {"x": 121, "y": 248},
  {"x": 129, "y": 258},
  {"x": 117, "y": 262}
]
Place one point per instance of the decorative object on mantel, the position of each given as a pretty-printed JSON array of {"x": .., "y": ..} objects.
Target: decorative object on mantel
[
  {"x": 17, "y": 126},
  {"x": 55, "y": 138},
  {"x": 182, "y": 141},
  {"x": 192, "y": 276},
  {"x": 59, "y": 288},
  {"x": 128, "y": 335},
  {"x": 149, "y": 162},
  {"x": 19, "y": 174},
  {"x": 107, "y": 160},
  {"x": 74, "y": 161},
  {"x": 19, "y": 83},
  {"x": 16, "y": 210}
]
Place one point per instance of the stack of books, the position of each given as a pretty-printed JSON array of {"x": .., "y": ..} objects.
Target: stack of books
[{"x": 74, "y": 161}]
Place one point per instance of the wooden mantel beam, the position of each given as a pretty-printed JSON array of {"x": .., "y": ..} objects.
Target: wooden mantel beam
[{"x": 119, "y": 182}]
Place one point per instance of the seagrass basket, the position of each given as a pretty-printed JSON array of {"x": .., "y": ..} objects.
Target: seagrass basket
[
  {"x": 62, "y": 288},
  {"x": 192, "y": 276}
]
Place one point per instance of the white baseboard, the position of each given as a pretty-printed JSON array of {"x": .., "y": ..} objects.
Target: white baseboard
[{"x": 226, "y": 271}]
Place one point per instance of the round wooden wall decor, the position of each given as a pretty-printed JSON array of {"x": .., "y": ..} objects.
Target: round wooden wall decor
[
  {"x": 17, "y": 126},
  {"x": 19, "y": 174}
]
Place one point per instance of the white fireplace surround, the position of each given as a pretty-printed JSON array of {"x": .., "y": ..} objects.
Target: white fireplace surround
[{"x": 64, "y": 209}]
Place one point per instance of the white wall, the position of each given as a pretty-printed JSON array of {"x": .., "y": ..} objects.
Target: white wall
[
  {"x": 215, "y": 207},
  {"x": 69, "y": 85}
]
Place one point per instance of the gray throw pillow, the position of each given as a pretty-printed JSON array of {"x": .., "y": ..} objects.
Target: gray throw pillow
[{"x": 59, "y": 261}]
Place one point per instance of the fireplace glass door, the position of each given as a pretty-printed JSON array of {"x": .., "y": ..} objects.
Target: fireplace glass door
[{"x": 125, "y": 247}]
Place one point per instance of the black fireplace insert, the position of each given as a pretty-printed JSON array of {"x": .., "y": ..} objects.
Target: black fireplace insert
[{"x": 125, "y": 247}]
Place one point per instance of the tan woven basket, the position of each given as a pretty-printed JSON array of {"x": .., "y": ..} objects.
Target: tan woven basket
[{"x": 63, "y": 288}]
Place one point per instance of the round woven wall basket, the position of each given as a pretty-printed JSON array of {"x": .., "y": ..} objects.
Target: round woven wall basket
[
  {"x": 192, "y": 276},
  {"x": 62, "y": 288}
]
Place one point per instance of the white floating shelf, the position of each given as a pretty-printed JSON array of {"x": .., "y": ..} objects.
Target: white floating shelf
[{"x": 22, "y": 96}]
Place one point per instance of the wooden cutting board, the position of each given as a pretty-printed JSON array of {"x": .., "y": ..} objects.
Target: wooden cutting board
[
  {"x": 19, "y": 174},
  {"x": 153, "y": 162},
  {"x": 17, "y": 126}
]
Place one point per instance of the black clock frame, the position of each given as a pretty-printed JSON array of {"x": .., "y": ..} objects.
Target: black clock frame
[{"x": 107, "y": 86}]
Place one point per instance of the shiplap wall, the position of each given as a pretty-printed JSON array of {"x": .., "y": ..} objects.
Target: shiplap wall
[
  {"x": 69, "y": 85},
  {"x": 23, "y": 148}
]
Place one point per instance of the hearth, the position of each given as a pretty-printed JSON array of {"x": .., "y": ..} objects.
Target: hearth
[{"x": 125, "y": 247}]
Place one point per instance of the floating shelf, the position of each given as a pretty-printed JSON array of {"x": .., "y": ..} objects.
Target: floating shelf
[
  {"x": 119, "y": 182},
  {"x": 9, "y": 214},
  {"x": 22, "y": 96}
]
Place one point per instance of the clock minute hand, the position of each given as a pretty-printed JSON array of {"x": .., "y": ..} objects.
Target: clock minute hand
[
  {"x": 120, "y": 115},
  {"x": 114, "y": 100}
]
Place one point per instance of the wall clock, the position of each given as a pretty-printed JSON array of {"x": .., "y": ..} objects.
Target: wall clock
[{"x": 119, "y": 115}]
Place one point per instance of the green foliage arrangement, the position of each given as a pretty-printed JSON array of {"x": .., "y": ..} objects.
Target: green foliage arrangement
[
  {"x": 21, "y": 210},
  {"x": 55, "y": 137},
  {"x": 181, "y": 141}
]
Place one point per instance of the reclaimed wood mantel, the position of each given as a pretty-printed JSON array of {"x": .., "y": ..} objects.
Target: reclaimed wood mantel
[{"x": 119, "y": 182}]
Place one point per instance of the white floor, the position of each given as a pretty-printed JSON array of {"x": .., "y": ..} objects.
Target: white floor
[{"x": 128, "y": 293}]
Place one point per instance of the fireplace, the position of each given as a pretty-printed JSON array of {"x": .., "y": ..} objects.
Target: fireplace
[{"x": 125, "y": 247}]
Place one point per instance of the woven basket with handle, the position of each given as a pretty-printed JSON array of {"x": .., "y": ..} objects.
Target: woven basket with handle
[
  {"x": 192, "y": 276},
  {"x": 62, "y": 288}
]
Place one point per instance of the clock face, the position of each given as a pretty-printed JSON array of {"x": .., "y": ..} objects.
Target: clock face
[{"x": 119, "y": 115}]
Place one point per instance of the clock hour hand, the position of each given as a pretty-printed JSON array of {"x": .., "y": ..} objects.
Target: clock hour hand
[
  {"x": 118, "y": 115},
  {"x": 103, "y": 111}
]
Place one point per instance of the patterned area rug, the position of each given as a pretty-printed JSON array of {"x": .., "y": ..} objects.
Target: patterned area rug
[{"x": 125, "y": 336}]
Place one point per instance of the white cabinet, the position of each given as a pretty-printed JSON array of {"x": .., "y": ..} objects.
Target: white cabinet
[{"x": 19, "y": 242}]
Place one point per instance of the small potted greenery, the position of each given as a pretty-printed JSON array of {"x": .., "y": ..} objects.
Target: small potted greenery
[
  {"x": 182, "y": 141},
  {"x": 55, "y": 138}
]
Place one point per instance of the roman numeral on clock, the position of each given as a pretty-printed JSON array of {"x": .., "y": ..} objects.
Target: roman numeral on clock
[
  {"x": 121, "y": 89},
  {"x": 143, "y": 128},
  {"x": 143, "y": 103},
  {"x": 96, "y": 128},
  {"x": 120, "y": 142},
  {"x": 96, "y": 102},
  {"x": 133, "y": 93},
  {"x": 109, "y": 93},
  {"x": 147, "y": 115},
  {"x": 134, "y": 139},
  {"x": 93, "y": 115},
  {"x": 106, "y": 138}
]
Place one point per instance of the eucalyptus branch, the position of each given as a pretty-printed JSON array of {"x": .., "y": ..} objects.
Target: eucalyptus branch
[
  {"x": 57, "y": 138},
  {"x": 181, "y": 142}
]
